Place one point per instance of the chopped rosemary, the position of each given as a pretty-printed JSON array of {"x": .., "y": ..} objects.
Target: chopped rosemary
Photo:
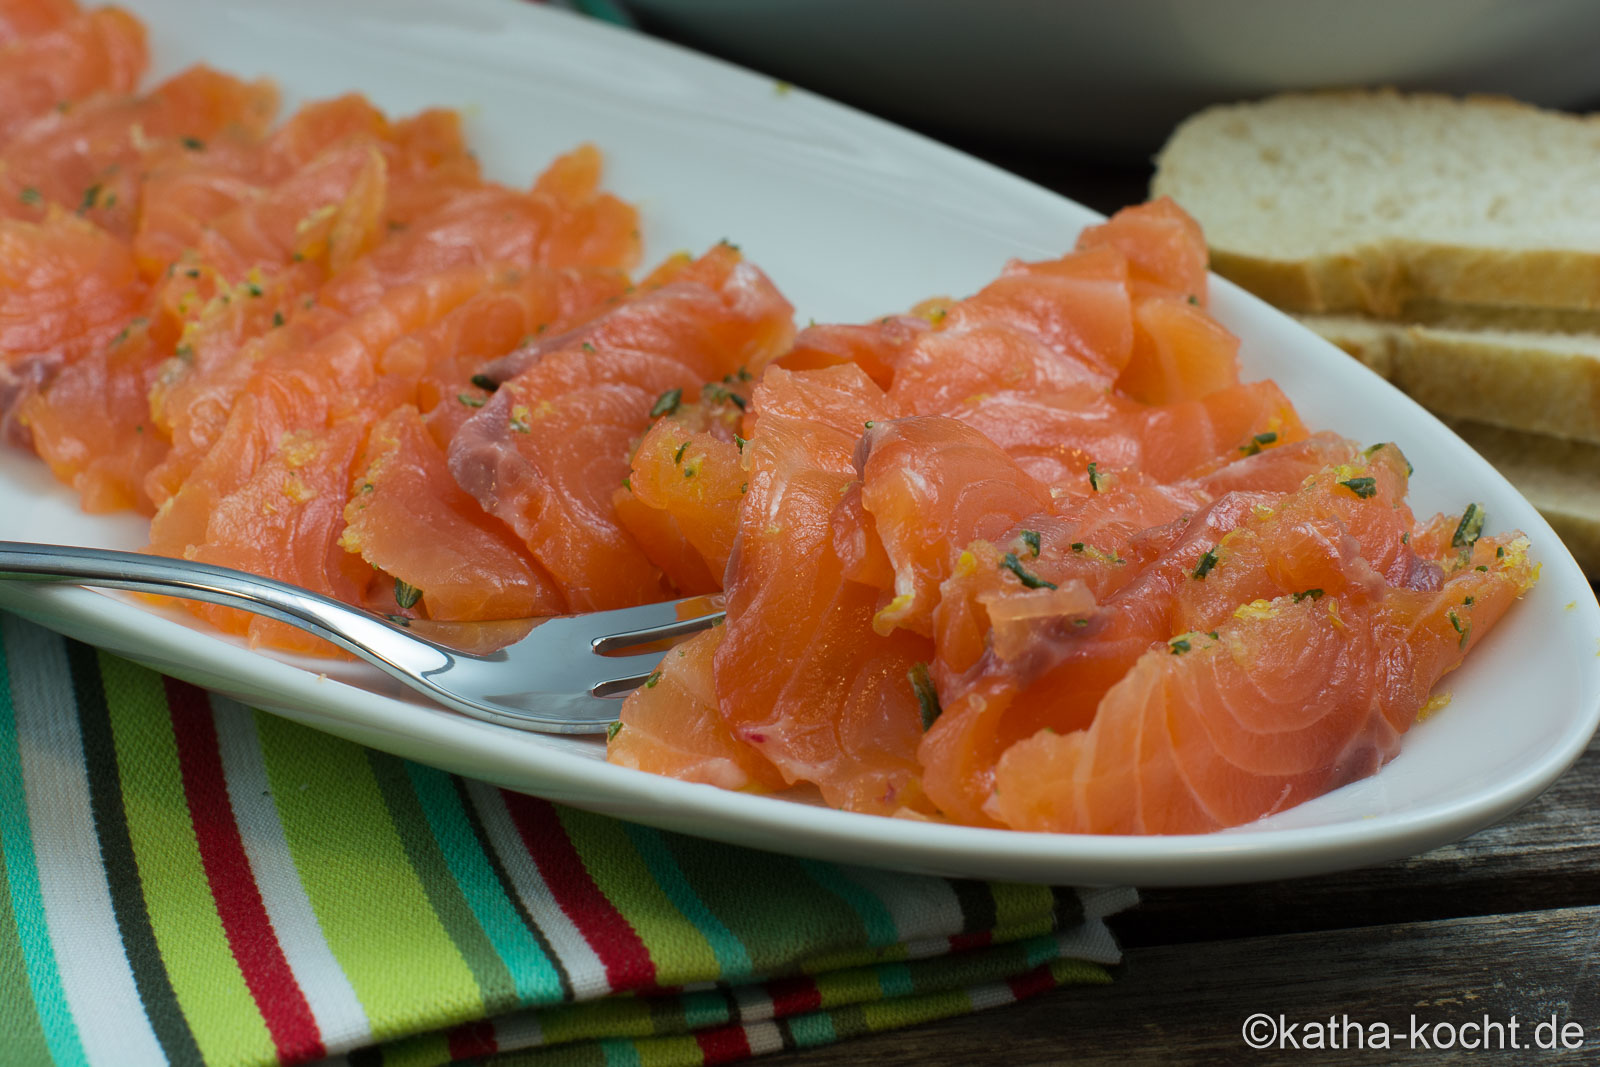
[
  {"x": 1361, "y": 487},
  {"x": 1011, "y": 563},
  {"x": 1094, "y": 477},
  {"x": 1207, "y": 561},
  {"x": 1464, "y": 631},
  {"x": 613, "y": 730},
  {"x": 1031, "y": 539},
  {"x": 739, "y": 442},
  {"x": 406, "y": 595},
  {"x": 677, "y": 457},
  {"x": 1470, "y": 528},
  {"x": 927, "y": 695},
  {"x": 655, "y": 676},
  {"x": 1253, "y": 446},
  {"x": 666, "y": 403}
]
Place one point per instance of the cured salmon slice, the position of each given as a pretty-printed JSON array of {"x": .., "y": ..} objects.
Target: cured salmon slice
[
  {"x": 1041, "y": 327},
  {"x": 1056, "y": 678},
  {"x": 876, "y": 348},
  {"x": 1324, "y": 537},
  {"x": 1284, "y": 702},
  {"x": 91, "y": 422},
  {"x": 686, "y": 481},
  {"x": 91, "y": 157},
  {"x": 408, "y": 519},
  {"x": 308, "y": 393},
  {"x": 801, "y": 676},
  {"x": 932, "y": 486},
  {"x": 562, "y": 222},
  {"x": 195, "y": 387},
  {"x": 67, "y": 289},
  {"x": 1179, "y": 353},
  {"x": 99, "y": 52},
  {"x": 1056, "y": 436},
  {"x": 26, "y": 18},
  {"x": 1164, "y": 246},
  {"x": 435, "y": 368},
  {"x": 547, "y": 452},
  {"x": 671, "y": 726},
  {"x": 283, "y": 520}
]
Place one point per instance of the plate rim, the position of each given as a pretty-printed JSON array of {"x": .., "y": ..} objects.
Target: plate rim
[{"x": 372, "y": 717}]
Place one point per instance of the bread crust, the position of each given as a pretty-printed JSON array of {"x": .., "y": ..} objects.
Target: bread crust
[
  {"x": 1535, "y": 383},
  {"x": 1557, "y": 477}
]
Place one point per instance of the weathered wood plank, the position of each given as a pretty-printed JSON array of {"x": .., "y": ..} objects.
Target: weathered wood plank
[
  {"x": 1181, "y": 1004},
  {"x": 1545, "y": 856}
]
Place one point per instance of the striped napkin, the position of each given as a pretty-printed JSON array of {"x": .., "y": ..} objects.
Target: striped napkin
[{"x": 189, "y": 881}]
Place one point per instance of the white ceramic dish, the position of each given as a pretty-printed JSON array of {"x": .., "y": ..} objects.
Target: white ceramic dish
[{"x": 852, "y": 218}]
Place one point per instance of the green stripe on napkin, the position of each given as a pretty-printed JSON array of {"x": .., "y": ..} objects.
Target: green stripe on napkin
[{"x": 190, "y": 881}]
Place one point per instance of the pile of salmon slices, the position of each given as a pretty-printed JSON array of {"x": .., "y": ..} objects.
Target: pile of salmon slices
[{"x": 1034, "y": 559}]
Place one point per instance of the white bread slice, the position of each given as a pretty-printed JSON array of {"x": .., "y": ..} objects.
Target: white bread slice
[
  {"x": 1561, "y": 478},
  {"x": 1538, "y": 382},
  {"x": 1377, "y": 201}
]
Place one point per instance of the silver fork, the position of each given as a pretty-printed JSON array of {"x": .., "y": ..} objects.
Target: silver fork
[{"x": 564, "y": 674}]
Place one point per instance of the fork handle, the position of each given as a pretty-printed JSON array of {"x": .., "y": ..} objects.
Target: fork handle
[{"x": 357, "y": 631}]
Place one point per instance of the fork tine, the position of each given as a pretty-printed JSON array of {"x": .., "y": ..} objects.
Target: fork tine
[{"x": 644, "y": 635}]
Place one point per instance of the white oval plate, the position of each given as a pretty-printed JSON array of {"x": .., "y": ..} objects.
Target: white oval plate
[{"x": 852, "y": 218}]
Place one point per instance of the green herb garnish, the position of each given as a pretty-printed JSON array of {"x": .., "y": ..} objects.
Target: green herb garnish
[
  {"x": 1094, "y": 477},
  {"x": 1031, "y": 539},
  {"x": 613, "y": 730},
  {"x": 1361, "y": 487},
  {"x": 1470, "y": 528},
  {"x": 29, "y": 196},
  {"x": 470, "y": 400},
  {"x": 194, "y": 144},
  {"x": 1207, "y": 561},
  {"x": 1011, "y": 563},
  {"x": 666, "y": 403},
  {"x": 406, "y": 595},
  {"x": 1253, "y": 446},
  {"x": 927, "y": 695},
  {"x": 1179, "y": 645},
  {"x": 484, "y": 382},
  {"x": 1312, "y": 594},
  {"x": 1464, "y": 631}
]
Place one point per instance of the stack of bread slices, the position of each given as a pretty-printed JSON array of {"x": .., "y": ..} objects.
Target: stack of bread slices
[{"x": 1452, "y": 245}]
